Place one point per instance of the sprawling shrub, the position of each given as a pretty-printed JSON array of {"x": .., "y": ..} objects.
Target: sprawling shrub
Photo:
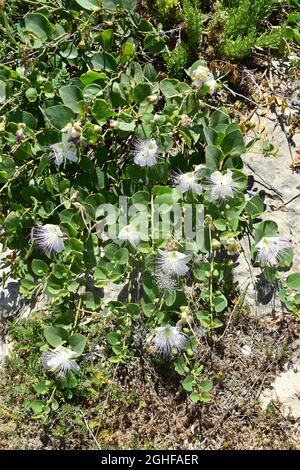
[{"x": 113, "y": 172}]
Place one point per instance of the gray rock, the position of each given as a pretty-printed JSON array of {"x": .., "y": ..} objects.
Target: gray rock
[
  {"x": 276, "y": 182},
  {"x": 13, "y": 306},
  {"x": 286, "y": 391}
]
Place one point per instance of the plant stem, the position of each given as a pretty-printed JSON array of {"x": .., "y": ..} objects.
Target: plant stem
[
  {"x": 7, "y": 28},
  {"x": 14, "y": 176},
  {"x": 211, "y": 277},
  {"x": 77, "y": 315}
]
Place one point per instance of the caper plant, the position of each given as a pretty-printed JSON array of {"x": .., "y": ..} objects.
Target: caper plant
[{"x": 112, "y": 172}]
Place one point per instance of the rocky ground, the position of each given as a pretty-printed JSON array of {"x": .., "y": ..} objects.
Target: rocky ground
[{"x": 277, "y": 180}]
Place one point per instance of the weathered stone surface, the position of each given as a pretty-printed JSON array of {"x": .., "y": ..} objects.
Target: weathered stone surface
[
  {"x": 13, "y": 306},
  {"x": 285, "y": 391},
  {"x": 275, "y": 181}
]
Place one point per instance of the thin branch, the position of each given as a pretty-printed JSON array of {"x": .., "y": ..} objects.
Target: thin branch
[
  {"x": 235, "y": 93},
  {"x": 90, "y": 431}
]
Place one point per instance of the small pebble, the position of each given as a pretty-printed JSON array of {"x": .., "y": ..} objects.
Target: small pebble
[{"x": 246, "y": 350}]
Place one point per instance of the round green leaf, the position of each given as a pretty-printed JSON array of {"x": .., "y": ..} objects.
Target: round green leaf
[
  {"x": 188, "y": 383},
  {"x": 113, "y": 338},
  {"x": 220, "y": 303},
  {"x": 12, "y": 221},
  {"x": 41, "y": 388},
  {"x": 70, "y": 96},
  {"x": 122, "y": 256},
  {"x": 37, "y": 406},
  {"x": 59, "y": 116},
  {"x": 101, "y": 110},
  {"x": 39, "y": 24},
  {"x": 141, "y": 91},
  {"x": 77, "y": 342},
  {"x": 39, "y": 267},
  {"x": 90, "y": 5},
  {"x": 293, "y": 281},
  {"x": 104, "y": 61},
  {"x": 31, "y": 94},
  {"x": 55, "y": 335}
]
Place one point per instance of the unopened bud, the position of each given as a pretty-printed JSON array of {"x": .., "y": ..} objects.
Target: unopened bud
[
  {"x": 208, "y": 220},
  {"x": 72, "y": 130},
  {"x": 152, "y": 99},
  {"x": 184, "y": 308},
  {"x": 74, "y": 196},
  {"x": 232, "y": 246},
  {"x": 215, "y": 244},
  {"x": 185, "y": 120},
  {"x": 113, "y": 124},
  {"x": 185, "y": 316},
  {"x": 19, "y": 135}
]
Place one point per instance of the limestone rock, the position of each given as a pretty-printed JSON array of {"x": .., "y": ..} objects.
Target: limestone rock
[
  {"x": 276, "y": 183},
  {"x": 286, "y": 391}
]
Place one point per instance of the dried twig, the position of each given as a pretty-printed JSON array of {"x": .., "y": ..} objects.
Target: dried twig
[
  {"x": 235, "y": 93},
  {"x": 289, "y": 201},
  {"x": 90, "y": 431},
  {"x": 264, "y": 182},
  {"x": 239, "y": 303}
]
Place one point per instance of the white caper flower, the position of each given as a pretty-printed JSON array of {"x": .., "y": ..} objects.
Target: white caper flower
[
  {"x": 168, "y": 338},
  {"x": 222, "y": 186},
  {"x": 63, "y": 151},
  {"x": 49, "y": 238},
  {"x": 145, "y": 152},
  {"x": 165, "y": 281},
  {"x": 188, "y": 182},
  {"x": 211, "y": 84},
  {"x": 60, "y": 361},
  {"x": 270, "y": 249},
  {"x": 185, "y": 120},
  {"x": 199, "y": 76},
  {"x": 129, "y": 234},
  {"x": 173, "y": 263}
]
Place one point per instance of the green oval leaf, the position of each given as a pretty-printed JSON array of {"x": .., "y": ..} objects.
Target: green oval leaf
[
  {"x": 38, "y": 24},
  {"x": 77, "y": 342},
  {"x": 39, "y": 267},
  {"x": 220, "y": 303},
  {"x": 90, "y": 5},
  {"x": 293, "y": 281},
  {"x": 141, "y": 92},
  {"x": 70, "y": 96},
  {"x": 55, "y": 335},
  {"x": 104, "y": 61},
  {"x": 59, "y": 116}
]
